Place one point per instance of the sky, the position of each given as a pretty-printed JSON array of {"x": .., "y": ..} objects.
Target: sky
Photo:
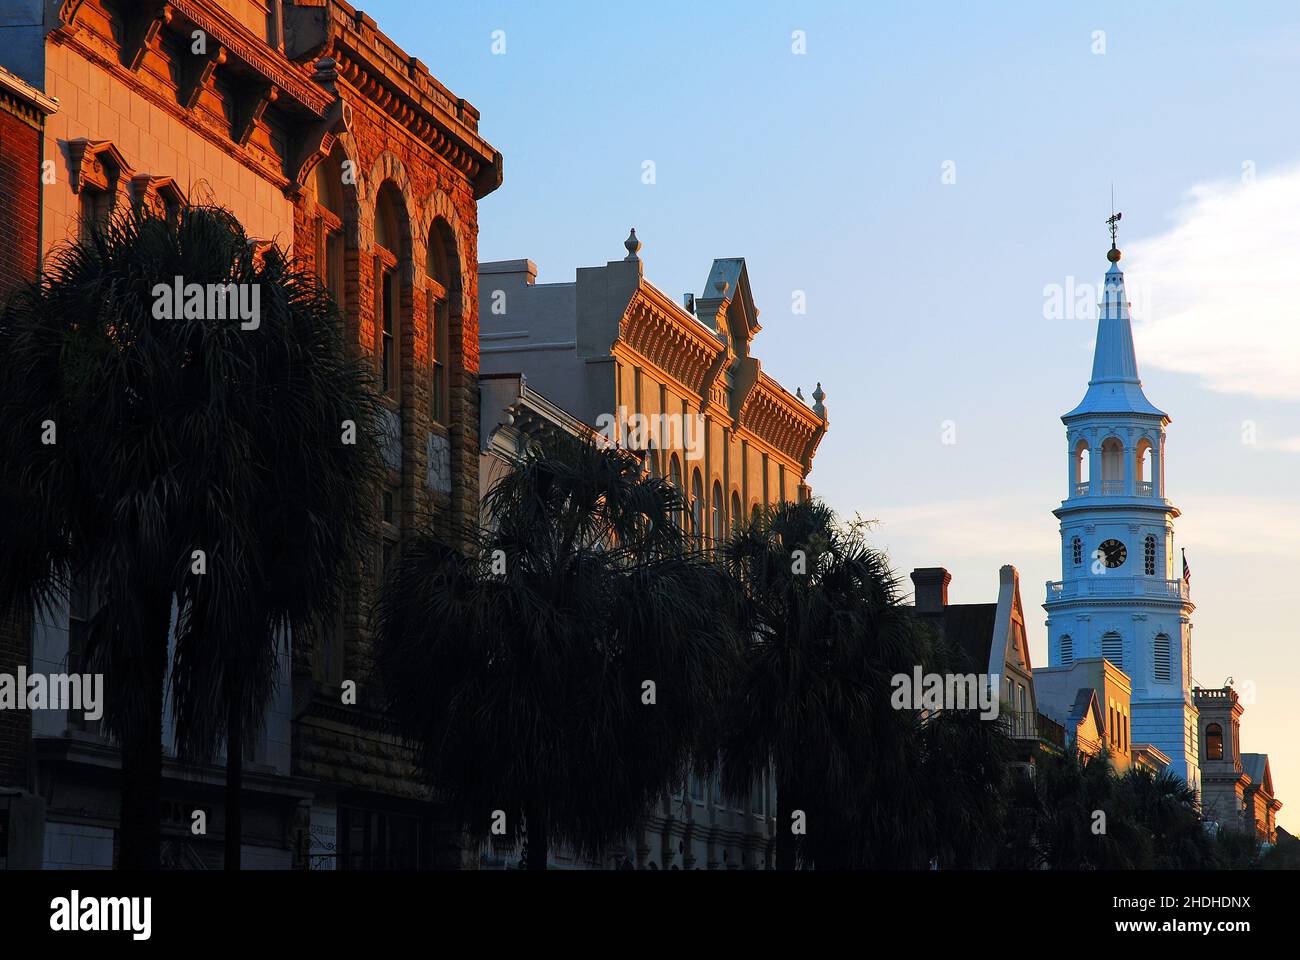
[{"x": 926, "y": 178}]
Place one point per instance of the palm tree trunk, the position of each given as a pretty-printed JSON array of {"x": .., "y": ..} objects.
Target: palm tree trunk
[
  {"x": 142, "y": 755},
  {"x": 234, "y": 777},
  {"x": 537, "y": 842}
]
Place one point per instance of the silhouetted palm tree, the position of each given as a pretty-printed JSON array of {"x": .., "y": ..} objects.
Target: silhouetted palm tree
[
  {"x": 562, "y": 669},
  {"x": 825, "y": 633},
  {"x": 180, "y": 431}
]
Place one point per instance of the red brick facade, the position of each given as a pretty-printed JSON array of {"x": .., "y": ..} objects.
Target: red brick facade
[{"x": 21, "y": 122}]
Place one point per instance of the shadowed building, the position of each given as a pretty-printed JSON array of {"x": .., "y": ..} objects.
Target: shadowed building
[
  {"x": 318, "y": 133},
  {"x": 989, "y": 640},
  {"x": 610, "y": 354}
]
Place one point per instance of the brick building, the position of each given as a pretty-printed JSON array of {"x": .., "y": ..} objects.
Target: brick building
[
  {"x": 322, "y": 135},
  {"x": 23, "y": 110}
]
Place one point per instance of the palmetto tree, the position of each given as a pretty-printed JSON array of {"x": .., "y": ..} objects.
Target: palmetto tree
[
  {"x": 825, "y": 632},
  {"x": 178, "y": 431},
  {"x": 562, "y": 669}
]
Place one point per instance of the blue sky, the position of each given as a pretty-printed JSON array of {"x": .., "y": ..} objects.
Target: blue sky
[{"x": 926, "y": 299}]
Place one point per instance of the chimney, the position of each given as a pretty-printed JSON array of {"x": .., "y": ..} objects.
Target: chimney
[{"x": 931, "y": 587}]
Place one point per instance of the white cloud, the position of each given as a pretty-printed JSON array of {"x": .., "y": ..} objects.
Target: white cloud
[{"x": 1219, "y": 288}]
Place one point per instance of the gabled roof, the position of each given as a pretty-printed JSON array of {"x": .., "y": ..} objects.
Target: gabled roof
[
  {"x": 1115, "y": 386},
  {"x": 1255, "y": 765},
  {"x": 729, "y": 279}
]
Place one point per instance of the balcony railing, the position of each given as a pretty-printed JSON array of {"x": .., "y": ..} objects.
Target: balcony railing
[
  {"x": 1114, "y": 488},
  {"x": 1034, "y": 726},
  {"x": 1101, "y": 585}
]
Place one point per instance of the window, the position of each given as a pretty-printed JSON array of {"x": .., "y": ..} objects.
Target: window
[
  {"x": 95, "y": 209},
  {"x": 82, "y": 605},
  {"x": 1112, "y": 467},
  {"x": 328, "y": 187},
  {"x": 719, "y": 522},
  {"x": 1149, "y": 555},
  {"x": 1076, "y": 550},
  {"x": 675, "y": 478},
  {"x": 388, "y": 356},
  {"x": 442, "y": 272},
  {"x": 1080, "y": 468},
  {"x": 1163, "y": 668},
  {"x": 392, "y": 256},
  {"x": 1067, "y": 650},
  {"x": 1112, "y": 648},
  {"x": 1214, "y": 742},
  {"x": 697, "y": 508},
  {"x": 737, "y": 515},
  {"x": 379, "y": 840}
]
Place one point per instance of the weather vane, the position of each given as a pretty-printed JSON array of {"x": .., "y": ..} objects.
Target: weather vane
[{"x": 1113, "y": 221}]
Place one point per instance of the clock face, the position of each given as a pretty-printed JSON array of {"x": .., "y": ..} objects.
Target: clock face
[{"x": 1113, "y": 553}]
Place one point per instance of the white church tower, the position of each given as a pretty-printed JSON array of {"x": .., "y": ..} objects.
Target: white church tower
[{"x": 1121, "y": 596}]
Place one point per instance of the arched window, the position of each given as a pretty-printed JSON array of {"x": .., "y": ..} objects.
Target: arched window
[
  {"x": 391, "y": 248},
  {"x": 1067, "y": 650},
  {"x": 1162, "y": 653},
  {"x": 441, "y": 309},
  {"x": 697, "y": 508},
  {"x": 1081, "y": 468},
  {"x": 1076, "y": 551},
  {"x": 1149, "y": 555},
  {"x": 1142, "y": 467},
  {"x": 737, "y": 516},
  {"x": 675, "y": 478},
  {"x": 1112, "y": 648},
  {"x": 327, "y": 186},
  {"x": 1112, "y": 467},
  {"x": 1214, "y": 742},
  {"x": 718, "y": 525}
]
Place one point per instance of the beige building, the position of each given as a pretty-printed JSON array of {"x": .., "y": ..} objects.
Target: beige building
[
  {"x": 1092, "y": 699},
  {"x": 612, "y": 354},
  {"x": 1236, "y": 787}
]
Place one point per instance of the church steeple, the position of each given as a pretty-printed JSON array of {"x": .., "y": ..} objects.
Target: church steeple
[{"x": 1115, "y": 386}]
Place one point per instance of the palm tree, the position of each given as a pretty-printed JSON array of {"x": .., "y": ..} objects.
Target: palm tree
[
  {"x": 176, "y": 434},
  {"x": 825, "y": 633},
  {"x": 561, "y": 670}
]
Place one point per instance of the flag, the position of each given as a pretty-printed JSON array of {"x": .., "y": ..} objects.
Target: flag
[{"x": 1187, "y": 571}]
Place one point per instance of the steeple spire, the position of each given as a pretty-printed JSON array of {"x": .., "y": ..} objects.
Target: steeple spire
[{"x": 1115, "y": 386}]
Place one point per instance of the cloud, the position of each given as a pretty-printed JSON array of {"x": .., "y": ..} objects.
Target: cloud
[{"x": 1217, "y": 292}]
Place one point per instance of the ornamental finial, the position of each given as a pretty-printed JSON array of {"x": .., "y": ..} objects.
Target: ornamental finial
[{"x": 633, "y": 245}]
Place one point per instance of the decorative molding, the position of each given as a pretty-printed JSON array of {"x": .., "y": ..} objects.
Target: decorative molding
[
  {"x": 249, "y": 110},
  {"x": 195, "y": 79},
  {"x": 142, "y": 26},
  {"x": 317, "y": 139},
  {"x": 88, "y": 160}
]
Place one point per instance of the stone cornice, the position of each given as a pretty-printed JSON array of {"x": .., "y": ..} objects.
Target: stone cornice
[
  {"x": 402, "y": 87},
  {"x": 770, "y": 412}
]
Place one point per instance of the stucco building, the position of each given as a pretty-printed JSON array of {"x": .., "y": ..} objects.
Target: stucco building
[
  {"x": 612, "y": 354},
  {"x": 322, "y": 135},
  {"x": 1121, "y": 597}
]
